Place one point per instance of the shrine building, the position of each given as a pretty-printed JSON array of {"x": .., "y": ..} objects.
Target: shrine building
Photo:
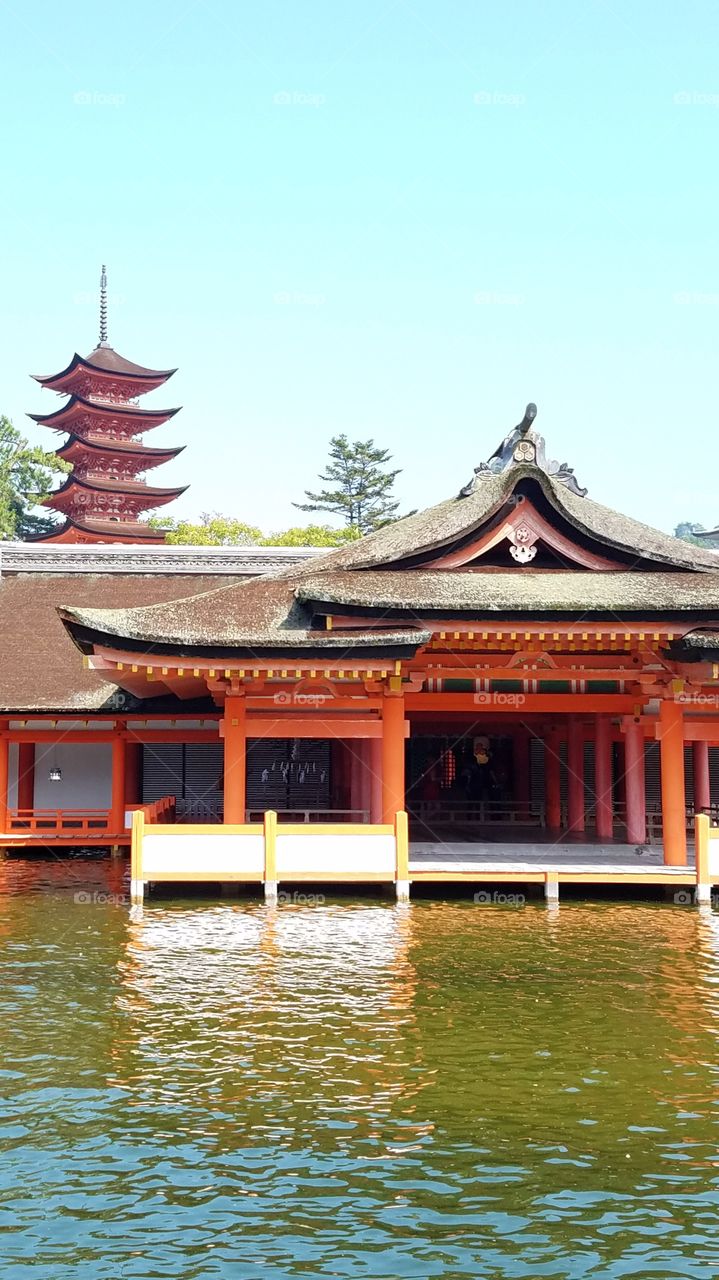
[{"x": 516, "y": 684}]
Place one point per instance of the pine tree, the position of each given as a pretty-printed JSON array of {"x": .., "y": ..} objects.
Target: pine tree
[
  {"x": 363, "y": 492},
  {"x": 27, "y": 473}
]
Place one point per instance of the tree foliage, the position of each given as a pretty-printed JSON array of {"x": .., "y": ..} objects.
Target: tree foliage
[
  {"x": 687, "y": 531},
  {"x": 362, "y": 487},
  {"x": 216, "y": 530},
  {"x": 27, "y": 474}
]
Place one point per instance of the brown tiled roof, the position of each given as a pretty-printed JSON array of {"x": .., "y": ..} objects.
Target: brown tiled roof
[
  {"x": 118, "y": 446},
  {"x": 113, "y": 530},
  {"x": 133, "y": 487},
  {"x": 109, "y": 361},
  {"x": 104, "y": 407},
  {"x": 40, "y": 668},
  {"x": 422, "y": 591}
]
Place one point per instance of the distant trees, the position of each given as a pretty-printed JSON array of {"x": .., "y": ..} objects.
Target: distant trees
[
  {"x": 362, "y": 487},
  {"x": 27, "y": 474},
  {"x": 216, "y": 530},
  {"x": 687, "y": 531}
]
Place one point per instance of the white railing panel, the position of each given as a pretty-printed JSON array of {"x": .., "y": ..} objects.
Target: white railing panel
[
  {"x": 714, "y": 856},
  {"x": 211, "y": 854},
  {"x": 314, "y": 854}
]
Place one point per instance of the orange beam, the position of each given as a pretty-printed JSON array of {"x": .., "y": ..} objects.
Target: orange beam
[
  {"x": 4, "y": 778},
  {"x": 117, "y": 806},
  {"x": 483, "y": 704},
  {"x": 311, "y": 727},
  {"x": 671, "y": 738}
]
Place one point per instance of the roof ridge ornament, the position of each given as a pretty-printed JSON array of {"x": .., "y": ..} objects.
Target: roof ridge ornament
[
  {"x": 523, "y": 445},
  {"x": 103, "y": 308}
]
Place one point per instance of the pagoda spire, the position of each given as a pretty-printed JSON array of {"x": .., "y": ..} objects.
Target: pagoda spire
[
  {"x": 103, "y": 307},
  {"x": 106, "y": 494}
]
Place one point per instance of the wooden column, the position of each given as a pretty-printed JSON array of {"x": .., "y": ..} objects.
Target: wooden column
[
  {"x": 603, "y": 777},
  {"x": 552, "y": 792},
  {"x": 26, "y": 775},
  {"x": 133, "y": 780},
  {"x": 4, "y": 778},
  {"x": 700, "y": 770},
  {"x": 375, "y": 761},
  {"x": 235, "y": 770},
  {"x": 393, "y": 798},
  {"x": 522, "y": 769},
  {"x": 671, "y": 746},
  {"x": 117, "y": 805},
  {"x": 636, "y": 799},
  {"x": 575, "y": 775}
]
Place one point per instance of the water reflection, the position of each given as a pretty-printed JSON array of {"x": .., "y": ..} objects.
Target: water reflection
[{"x": 356, "y": 1089}]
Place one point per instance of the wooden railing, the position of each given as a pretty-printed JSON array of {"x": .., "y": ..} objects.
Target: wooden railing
[
  {"x": 162, "y": 810},
  {"x": 312, "y": 815},
  {"x": 479, "y": 812},
  {"x": 58, "y": 822}
]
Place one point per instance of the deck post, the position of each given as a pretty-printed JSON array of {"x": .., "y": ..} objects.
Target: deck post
[
  {"x": 634, "y": 783},
  {"x": 671, "y": 746},
  {"x": 700, "y": 771},
  {"x": 235, "y": 743},
  {"x": 4, "y": 779},
  {"x": 401, "y": 833},
  {"x": 551, "y": 887},
  {"x": 26, "y": 775},
  {"x": 702, "y": 836},
  {"x": 137, "y": 884},
  {"x": 270, "y": 874},
  {"x": 117, "y": 804},
  {"x": 392, "y": 756},
  {"x": 604, "y": 811},
  {"x": 575, "y": 775},
  {"x": 552, "y": 792}
]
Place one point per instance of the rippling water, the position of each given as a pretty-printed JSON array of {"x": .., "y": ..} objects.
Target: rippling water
[{"x": 353, "y": 1089}]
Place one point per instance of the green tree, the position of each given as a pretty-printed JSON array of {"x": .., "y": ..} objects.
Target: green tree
[
  {"x": 311, "y": 535},
  {"x": 688, "y": 530},
  {"x": 214, "y": 530},
  {"x": 362, "y": 492},
  {"x": 27, "y": 474}
]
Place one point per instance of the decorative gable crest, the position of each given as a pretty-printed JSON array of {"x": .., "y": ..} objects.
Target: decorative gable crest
[{"x": 523, "y": 445}]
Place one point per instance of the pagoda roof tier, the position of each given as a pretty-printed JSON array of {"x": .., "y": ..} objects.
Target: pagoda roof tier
[
  {"x": 104, "y": 366},
  {"x": 93, "y": 531},
  {"x": 79, "y": 408},
  {"x": 82, "y": 446},
  {"x": 142, "y": 494}
]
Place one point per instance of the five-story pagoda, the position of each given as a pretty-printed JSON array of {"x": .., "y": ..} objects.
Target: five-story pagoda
[{"x": 105, "y": 495}]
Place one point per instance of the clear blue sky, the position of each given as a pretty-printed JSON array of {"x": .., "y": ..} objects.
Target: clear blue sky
[{"x": 395, "y": 219}]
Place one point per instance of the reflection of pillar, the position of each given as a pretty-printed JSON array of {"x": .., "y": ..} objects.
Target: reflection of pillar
[
  {"x": 375, "y": 762},
  {"x": 636, "y": 799},
  {"x": 117, "y": 804},
  {"x": 575, "y": 775},
  {"x": 603, "y": 776},
  {"x": 26, "y": 775},
  {"x": 132, "y": 773},
  {"x": 671, "y": 740},
  {"x": 393, "y": 800},
  {"x": 235, "y": 743},
  {"x": 521, "y": 769},
  {"x": 4, "y": 773},
  {"x": 700, "y": 769},
  {"x": 552, "y": 786}
]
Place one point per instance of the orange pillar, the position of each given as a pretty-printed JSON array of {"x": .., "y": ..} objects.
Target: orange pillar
[
  {"x": 552, "y": 791},
  {"x": 26, "y": 775},
  {"x": 603, "y": 777},
  {"x": 117, "y": 805},
  {"x": 393, "y": 798},
  {"x": 575, "y": 775},
  {"x": 132, "y": 773},
  {"x": 235, "y": 740},
  {"x": 671, "y": 746},
  {"x": 700, "y": 770},
  {"x": 634, "y": 783},
  {"x": 4, "y": 778},
  {"x": 375, "y": 761}
]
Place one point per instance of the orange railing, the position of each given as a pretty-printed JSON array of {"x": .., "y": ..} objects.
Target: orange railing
[
  {"x": 162, "y": 810},
  {"x": 58, "y": 822}
]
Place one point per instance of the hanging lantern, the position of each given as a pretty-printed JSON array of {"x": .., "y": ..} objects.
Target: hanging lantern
[{"x": 55, "y": 774}]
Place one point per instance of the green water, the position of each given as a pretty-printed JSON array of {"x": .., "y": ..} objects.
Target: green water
[{"x": 354, "y": 1089}]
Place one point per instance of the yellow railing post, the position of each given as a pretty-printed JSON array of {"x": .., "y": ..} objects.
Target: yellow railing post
[
  {"x": 270, "y": 830},
  {"x": 702, "y": 836},
  {"x": 137, "y": 886},
  {"x": 401, "y": 834}
]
